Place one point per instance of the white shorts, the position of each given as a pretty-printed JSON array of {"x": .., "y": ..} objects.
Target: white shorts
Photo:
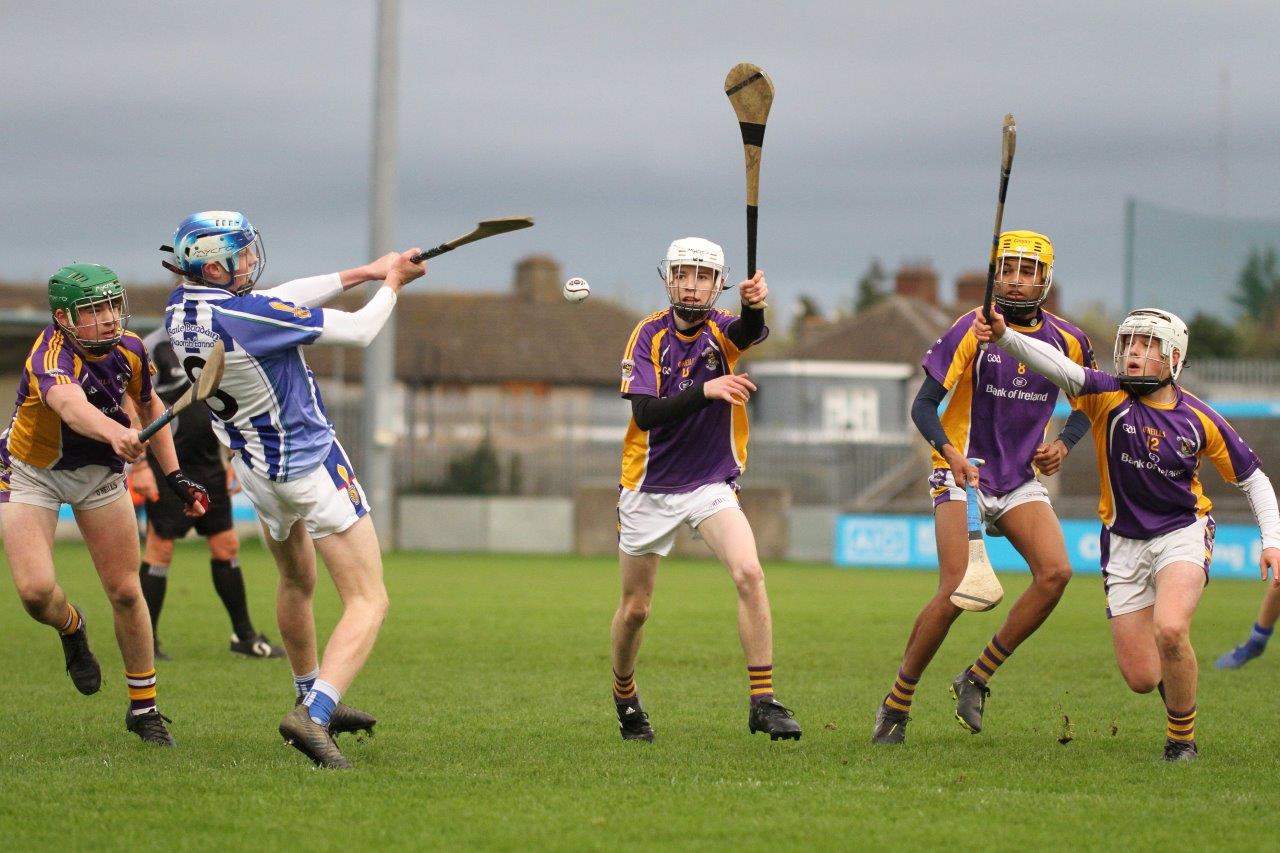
[
  {"x": 943, "y": 488},
  {"x": 327, "y": 499},
  {"x": 89, "y": 487},
  {"x": 648, "y": 522},
  {"x": 1130, "y": 566}
]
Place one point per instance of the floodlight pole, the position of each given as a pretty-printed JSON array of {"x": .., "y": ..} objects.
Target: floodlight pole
[
  {"x": 1130, "y": 226},
  {"x": 378, "y": 436}
]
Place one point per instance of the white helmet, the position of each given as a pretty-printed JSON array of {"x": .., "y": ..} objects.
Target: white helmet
[
  {"x": 1160, "y": 325},
  {"x": 695, "y": 252}
]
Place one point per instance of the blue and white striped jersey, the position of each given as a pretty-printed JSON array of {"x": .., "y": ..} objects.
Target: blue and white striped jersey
[{"x": 268, "y": 408}]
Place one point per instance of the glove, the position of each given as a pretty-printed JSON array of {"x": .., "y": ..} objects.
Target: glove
[{"x": 192, "y": 493}]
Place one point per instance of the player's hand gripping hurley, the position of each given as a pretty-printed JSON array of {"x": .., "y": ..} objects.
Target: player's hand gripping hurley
[
  {"x": 750, "y": 92},
  {"x": 487, "y": 228},
  {"x": 210, "y": 378},
  {"x": 979, "y": 589},
  {"x": 1008, "y": 141}
]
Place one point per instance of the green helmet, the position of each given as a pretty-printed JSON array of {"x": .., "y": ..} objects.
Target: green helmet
[{"x": 88, "y": 288}]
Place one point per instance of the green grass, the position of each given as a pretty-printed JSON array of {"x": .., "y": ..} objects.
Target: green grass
[{"x": 491, "y": 682}]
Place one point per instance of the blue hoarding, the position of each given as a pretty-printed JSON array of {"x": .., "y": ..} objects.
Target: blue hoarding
[{"x": 906, "y": 542}]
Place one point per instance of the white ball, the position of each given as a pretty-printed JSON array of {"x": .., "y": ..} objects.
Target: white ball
[{"x": 576, "y": 289}]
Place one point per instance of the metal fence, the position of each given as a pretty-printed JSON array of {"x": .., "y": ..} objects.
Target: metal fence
[{"x": 550, "y": 444}]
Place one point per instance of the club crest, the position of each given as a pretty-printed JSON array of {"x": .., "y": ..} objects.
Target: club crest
[{"x": 628, "y": 368}]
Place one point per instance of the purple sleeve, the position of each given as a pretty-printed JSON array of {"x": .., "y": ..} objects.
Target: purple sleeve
[
  {"x": 1234, "y": 459},
  {"x": 1098, "y": 382},
  {"x": 52, "y": 363},
  {"x": 140, "y": 362},
  {"x": 262, "y": 325},
  {"x": 951, "y": 353},
  {"x": 639, "y": 372}
]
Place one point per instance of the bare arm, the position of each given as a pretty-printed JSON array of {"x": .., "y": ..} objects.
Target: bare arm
[{"x": 70, "y": 404}]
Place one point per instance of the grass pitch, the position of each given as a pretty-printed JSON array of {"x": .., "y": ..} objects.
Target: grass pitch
[{"x": 491, "y": 683}]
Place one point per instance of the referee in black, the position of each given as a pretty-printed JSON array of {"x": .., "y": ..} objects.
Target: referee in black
[{"x": 200, "y": 455}]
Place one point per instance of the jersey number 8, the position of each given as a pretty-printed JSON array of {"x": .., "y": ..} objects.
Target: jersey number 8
[{"x": 227, "y": 406}]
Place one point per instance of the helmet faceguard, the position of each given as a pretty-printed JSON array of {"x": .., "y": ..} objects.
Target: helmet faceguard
[
  {"x": 218, "y": 248},
  {"x": 95, "y": 310},
  {"x": 1145, "y": 326},
  {"x": 693, "y": 271},
  {"x": 1022, "y": 287}
]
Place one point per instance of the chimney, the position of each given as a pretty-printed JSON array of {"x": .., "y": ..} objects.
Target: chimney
[
  {"x": 970, "y": 288},
  {"x": 538, "y": 279},
  {"x": 918, "y": 281}
]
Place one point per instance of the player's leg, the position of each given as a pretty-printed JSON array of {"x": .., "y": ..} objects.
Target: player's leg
[
  {"x": 951, "y": 533},
  {"x": 111, "y": 536},
  {"x": 639, "y": 573},
  {"x": 1134, "y": 642},
  {"x": 1033, "y": 529},
  {"x": 354, "y": 561},
  {"x": 153, "y": 575},
  {"x": 731, "y": 539},
  {"x": 1262, "y": 630},
  {"x": 647, "y": 525},
  {"x": 218, "y": 529},
  {"x": 728, "y": 533},
  {"x": 28, "y": 543},
  {"x": 295, "y": 558},
  {"x": 228, "y": 583},
  {"x": 1178, "y": 589}
]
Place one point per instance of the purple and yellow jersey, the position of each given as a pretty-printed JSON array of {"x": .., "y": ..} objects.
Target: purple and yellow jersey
[
  {"x": 1149, "y": 456},
  {"x": 998, "y": 409},
  {"x": 708, "y": 446},
  {"x": 36, "y": 434}
]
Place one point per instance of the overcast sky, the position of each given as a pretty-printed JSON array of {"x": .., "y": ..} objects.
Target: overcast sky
[{"x": 607, "y": 121}]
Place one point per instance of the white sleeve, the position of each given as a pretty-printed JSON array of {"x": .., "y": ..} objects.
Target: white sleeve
[
  {"x": 1262, "y": 500},
  {"x": 1044, "y": 359},
  {"x": 358, "y": 328},
  {"x": 309, "y": 292}
]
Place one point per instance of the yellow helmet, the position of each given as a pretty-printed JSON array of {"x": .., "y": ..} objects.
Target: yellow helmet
[{"x": 1024, "y": 244}]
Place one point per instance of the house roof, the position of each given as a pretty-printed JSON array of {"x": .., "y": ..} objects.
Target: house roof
[
  {"x": 440, "y": 337},
  {"x": 897, "y": 329},
  {"x": 490, "y": 338}
]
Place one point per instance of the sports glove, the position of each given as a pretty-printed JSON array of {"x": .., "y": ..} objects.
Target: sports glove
[{"x": 191, "y": 492}]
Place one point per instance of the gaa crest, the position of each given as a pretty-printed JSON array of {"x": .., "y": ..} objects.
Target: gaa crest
[{"x": 347, "y": 481}]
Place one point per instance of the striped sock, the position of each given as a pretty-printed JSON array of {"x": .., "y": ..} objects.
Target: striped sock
[
  {"x": 1260, "y": 635},
  {"x": 989, "y": 661},
  {"x": 624, "y": 687},
  {"x": 761, "y": 679},
  {"x": 1182, "y": 726},
  {"x": 321, "y": 700},
  {"x": 73, "y": 621},
  {"x": 142, "y": 691},
  {"x": 302, "y": 684},
  {"x": 904, "y": 690}
]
